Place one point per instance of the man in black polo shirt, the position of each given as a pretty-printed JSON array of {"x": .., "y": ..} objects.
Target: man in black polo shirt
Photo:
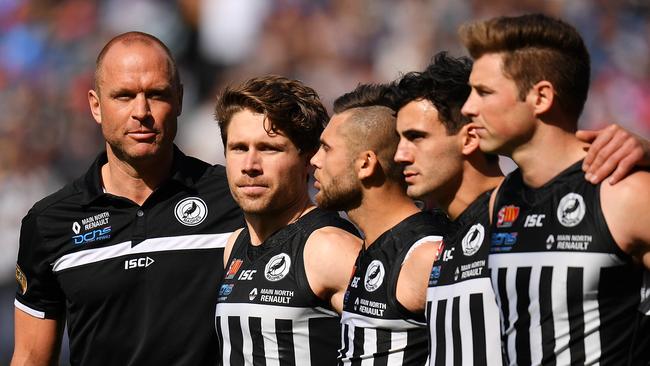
[{"x": 131, "y": 252}]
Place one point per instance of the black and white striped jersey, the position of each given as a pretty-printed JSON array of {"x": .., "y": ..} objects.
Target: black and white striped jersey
[
  {"x": 462, "y": 313},
  {"x": 376, "y": 328},
  {"x": 567, "y": 293},
  {"x": 266, "y": 312}
]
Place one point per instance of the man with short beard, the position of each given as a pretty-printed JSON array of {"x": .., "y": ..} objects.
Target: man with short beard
[
  {"x": 383, "y": 312},
  {"x": 288, "y": 269}
]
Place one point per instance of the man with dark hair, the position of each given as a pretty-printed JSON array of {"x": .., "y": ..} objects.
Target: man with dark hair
[
  {"x": 569, "y": 259},
  {"x": 288, "y": 268},
  {"x": 383, "y": 312},
  {"x": 127, "y": 251},
  {"x": 443, "y": 166}
]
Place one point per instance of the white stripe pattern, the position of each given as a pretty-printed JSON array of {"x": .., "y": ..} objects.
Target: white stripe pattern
[
  {"x": 28, "y": 310},
  {"x": 591, "y": 265},
  {"x": 463, "y": 290},
  {"x": 184, "y": 242},
  {"x": 268, "y": 315}
]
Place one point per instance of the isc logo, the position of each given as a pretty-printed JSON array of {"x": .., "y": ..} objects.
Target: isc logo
[
  {"x": 534, "y": 220},
  {"x": 247, "y": 275},
  {"x": 138, "y": 262}
]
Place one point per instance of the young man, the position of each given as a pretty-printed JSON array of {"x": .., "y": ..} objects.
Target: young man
[
  {"x": 128, "y": 250},
  {"x": 443, "y": 166},
  {"x": 569, "y": 260},
  {"x": 288, "y": 269},
  {"x": 383, "y": 312}
]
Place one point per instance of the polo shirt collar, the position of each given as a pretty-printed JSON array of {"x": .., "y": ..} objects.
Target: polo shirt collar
[{"x": 91, "y": 183}]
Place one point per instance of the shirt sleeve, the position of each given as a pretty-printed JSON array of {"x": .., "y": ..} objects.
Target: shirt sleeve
[{"x": 38, "y": 292}]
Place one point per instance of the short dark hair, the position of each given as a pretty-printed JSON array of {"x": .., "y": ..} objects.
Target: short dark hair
[
  {"x": 141, "y": 37},
  {"x": 444, "y": 83},
  {"x": 536, "y": 47},
  {"x": 288, "y": 105},
  {"x": 367, "y": 95},
  {"x": 371, "y": 124}
]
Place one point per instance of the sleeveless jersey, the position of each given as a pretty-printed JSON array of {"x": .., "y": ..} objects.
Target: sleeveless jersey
[
  {"x": 266, "y": 312},
  {"x": 566, "y": 291},
  {"x": 375, "y": 326},
  {"x": 462, "y": 313}
]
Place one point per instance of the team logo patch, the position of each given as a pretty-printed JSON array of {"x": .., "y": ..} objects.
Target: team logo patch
[
  {"x": 191, "y": 211},
  {"x": 571, "y": 210},
  {"x": 473, "y": 240},
  {"x": 374, "y": 276},
  {"x": 21, "y": 279},
  {"x": 277, "y": 267},
  {"x": 235, "y": 265},
  {"x": 507, "y": 215}
]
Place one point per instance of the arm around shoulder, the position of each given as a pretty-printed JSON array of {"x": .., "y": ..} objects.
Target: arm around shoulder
[
  {"x": 37, "y": 341},
  {"x": 625, "y": 207},
  {"x": 329, "y": 258}
]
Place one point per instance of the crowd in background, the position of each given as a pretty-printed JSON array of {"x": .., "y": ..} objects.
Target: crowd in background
[{"x": 48, "y": 50}]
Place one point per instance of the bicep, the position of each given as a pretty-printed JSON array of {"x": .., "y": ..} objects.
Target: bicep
[
  {"x": 37, "y": 341},
  {"x": 628, "y": 199},
  {"x": 414, "y": 276}
]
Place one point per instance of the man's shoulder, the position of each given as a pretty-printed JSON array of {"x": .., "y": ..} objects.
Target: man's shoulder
[{"x": 69, "y": 194}]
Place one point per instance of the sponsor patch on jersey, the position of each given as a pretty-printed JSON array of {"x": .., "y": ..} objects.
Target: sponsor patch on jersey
[
  {"x": 226, "y": 289},
  {"x": 21, "y": 279},
  {"x": 434, "y": 277},
  {"x": 473, "y": 239},
  {"x": 92, "y": 236},
  {"x": 235, "y": 265},
  {"x": 276, "y": 296},
  {"x": 507, "y": 216},
  {"x": 374, "y": 276},
  {"x": 503, "y": 242},
  {"x": 92, "y": 228},
  {"x": 277, "y": 267},
  {"x": 549, "y": 242},
  {"x": 573, "y": 242},
  {"x": 91, "y": 222},
  {"x": 439, "y": 251},
  {"x": 474, "y": 269},
  {"x": 191, "y": 211},
  {"x": 571, "y": 210},
  {"x": 253, "y": 294}
]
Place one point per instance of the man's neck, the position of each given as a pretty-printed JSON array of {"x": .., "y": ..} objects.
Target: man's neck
[
  {"x": 135, "y": 180},
  {"x": 381, "y": 209},
  {"x": 262, "y": 225},
  {"x": 474, "y": 184},
  {"x": 550, "y": 151}
]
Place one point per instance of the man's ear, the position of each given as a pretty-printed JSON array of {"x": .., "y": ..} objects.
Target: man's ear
[
  {"x": 541, "y": 96},
  {"x": 469, "y": 139},
  {"x": 95, "y": 106},
  {"x": 365, "y": 164}
]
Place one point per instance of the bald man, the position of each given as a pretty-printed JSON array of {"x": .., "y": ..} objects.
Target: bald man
[{"x": 130, "y": 251}]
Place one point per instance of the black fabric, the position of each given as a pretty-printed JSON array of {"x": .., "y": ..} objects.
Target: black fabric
[{"x": 141, "y": 306}]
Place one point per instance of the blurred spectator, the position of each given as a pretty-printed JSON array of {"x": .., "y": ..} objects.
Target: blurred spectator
[{"x": 48, "y": 47}]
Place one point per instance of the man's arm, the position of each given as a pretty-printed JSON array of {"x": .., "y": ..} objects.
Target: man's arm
[
  {"x": 329, "y": 258},
  {"x": 413, "y": 278},
  {"x": 614, "y": 151},
  {"x": 37, "y": 341},
  {"x": 625, "y": 207},
  {"x": 229, "y": 244}
]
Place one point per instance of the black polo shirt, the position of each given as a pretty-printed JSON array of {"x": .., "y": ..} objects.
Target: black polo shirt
[{"x": 139, "y": 284}]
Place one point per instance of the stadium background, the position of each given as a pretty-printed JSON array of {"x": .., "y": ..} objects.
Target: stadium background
[{"x": 48, "y": 49}]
